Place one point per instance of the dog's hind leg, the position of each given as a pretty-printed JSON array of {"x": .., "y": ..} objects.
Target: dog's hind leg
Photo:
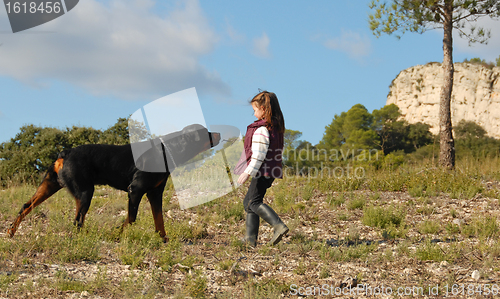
[
  {"x": 156, "y": 200},
  {"x": 83, "y": 199},
  {"x": 49, "y": 186}
]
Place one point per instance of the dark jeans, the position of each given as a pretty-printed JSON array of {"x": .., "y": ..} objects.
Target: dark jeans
[{"x": 256, "y": 192}]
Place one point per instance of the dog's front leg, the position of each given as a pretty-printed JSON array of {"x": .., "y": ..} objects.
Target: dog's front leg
[
  {"x": 155, "y": 198},
  {"x": 83, "y": 199},
  {"x": 134, "y": 199}
]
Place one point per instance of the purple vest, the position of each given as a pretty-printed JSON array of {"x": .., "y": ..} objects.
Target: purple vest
[{"x": 271, "y": 167}]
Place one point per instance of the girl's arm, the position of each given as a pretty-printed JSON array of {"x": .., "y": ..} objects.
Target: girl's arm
[{"x": 260, "y": 145}]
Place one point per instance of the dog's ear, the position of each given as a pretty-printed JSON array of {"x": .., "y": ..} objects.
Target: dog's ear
[
  {"x": 180, "y": 141},
  {"x": 195, "y": 133}
]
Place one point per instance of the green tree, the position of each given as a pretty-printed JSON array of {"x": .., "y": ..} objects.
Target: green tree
[
  {"x": 472, "y": 141},
  {"x": 297, "y": 153},
  {"x": 116, "y": 134},
  {"x": 34, "y": 148},
  {"x": 357, "y": 130},
  {"x": 397, "y": 134},
  {"x": 418, "y": 135},
  {"x": 498, "y": 61},
  {"x": 291, "y": 139},
  {"x": 289, "y": 147},
  {"x": 138, "y": 131},
  {"x": 357, "y": 118},
  {"x": 469, "y": 130},
  {"x": 29, "y": 153},
  {"x": 350, "y": 130},
  {"x": 82, "y": 135},
  {"x": 333, "y": 137},
  {"x": 483, "y": 62},
  {"x": 475, "y": 60},
  {"x": 305, "y": 145},
  {"x": 391, "y": 132},
  {"x": 419, "y": 16}
]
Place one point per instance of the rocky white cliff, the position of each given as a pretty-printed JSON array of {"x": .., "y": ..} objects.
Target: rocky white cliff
[{"x": 475, "y": 97}]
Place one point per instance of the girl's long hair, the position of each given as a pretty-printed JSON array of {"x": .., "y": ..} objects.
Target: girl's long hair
[{"x": 272, "y": 111}]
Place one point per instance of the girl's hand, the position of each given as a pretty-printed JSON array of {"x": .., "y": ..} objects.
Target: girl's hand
[{"x": 243, "y": 178}]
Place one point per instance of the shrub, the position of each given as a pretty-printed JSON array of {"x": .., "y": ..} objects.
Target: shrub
[
  {"x": 430, "y": 252},
  {"x": 195, "y": 284},
  {"x": 356, "y": 203},
  {"x": 335, "y": 201},
  {"x": 481, "y": 227},
  {"x": 382, "y": 217},
  {"x": 429, "y": 227}
]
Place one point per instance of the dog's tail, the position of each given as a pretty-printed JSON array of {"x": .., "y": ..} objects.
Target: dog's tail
[{"x": 49, "y": 186}]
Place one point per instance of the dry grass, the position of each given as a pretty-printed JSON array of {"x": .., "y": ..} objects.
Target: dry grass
[{"x": 415, "y": 227}]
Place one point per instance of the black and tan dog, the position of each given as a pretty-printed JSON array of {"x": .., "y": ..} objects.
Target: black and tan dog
[{"x": 81, "y": 168}]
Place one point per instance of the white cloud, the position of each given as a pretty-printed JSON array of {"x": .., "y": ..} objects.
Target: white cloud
[
  {"x": 234, "y": 35},
  {"x": 489, "y": 51},
  {"x": 261, "y": 46},
  {"x": 352, "y": 43},
  {"x": 122, "y": 49}
]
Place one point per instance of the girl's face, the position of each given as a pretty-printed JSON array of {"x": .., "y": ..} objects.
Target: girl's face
[{"x": 258, "y": 111}]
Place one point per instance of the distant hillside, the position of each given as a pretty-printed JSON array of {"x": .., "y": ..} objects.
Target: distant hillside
[{"x": 476, "y": 95}]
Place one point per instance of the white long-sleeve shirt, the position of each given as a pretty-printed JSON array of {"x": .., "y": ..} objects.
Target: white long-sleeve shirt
[{"x": 260, "y": 146}]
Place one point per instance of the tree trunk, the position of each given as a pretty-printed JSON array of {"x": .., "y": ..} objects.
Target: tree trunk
[{"x": 446, "y": 143}]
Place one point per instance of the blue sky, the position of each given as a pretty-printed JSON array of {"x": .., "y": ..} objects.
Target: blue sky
[{"x": 105, "y": 59}]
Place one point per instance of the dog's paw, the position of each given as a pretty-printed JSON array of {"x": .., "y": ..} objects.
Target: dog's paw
[{"x": 11, "y": 232}]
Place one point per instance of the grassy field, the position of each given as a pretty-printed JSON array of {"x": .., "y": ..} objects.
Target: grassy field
[{"x": 415, "y": 230}]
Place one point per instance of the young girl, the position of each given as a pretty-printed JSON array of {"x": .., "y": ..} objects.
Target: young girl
[{"x": 263, "y": 152}]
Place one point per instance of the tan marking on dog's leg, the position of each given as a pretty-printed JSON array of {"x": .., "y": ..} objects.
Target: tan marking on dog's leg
[
  {"x": 77, "y": 212},
  {"x": 159, "y": 224},
  {"x": 155, "y": 200},
  {"x": 159, "y": 183}
]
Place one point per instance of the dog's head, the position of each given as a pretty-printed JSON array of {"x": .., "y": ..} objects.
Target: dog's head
[
  {"x": 196, "y": 139},
  {"x": 184, "y": 145}
]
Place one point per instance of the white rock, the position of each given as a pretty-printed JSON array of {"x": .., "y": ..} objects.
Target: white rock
[
  {"x": 476, "y": 275},
  {"x": 476, "y": 95}
]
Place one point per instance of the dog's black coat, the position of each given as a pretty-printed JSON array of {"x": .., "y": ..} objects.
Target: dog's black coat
[{"x": 81, "y": 168}]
